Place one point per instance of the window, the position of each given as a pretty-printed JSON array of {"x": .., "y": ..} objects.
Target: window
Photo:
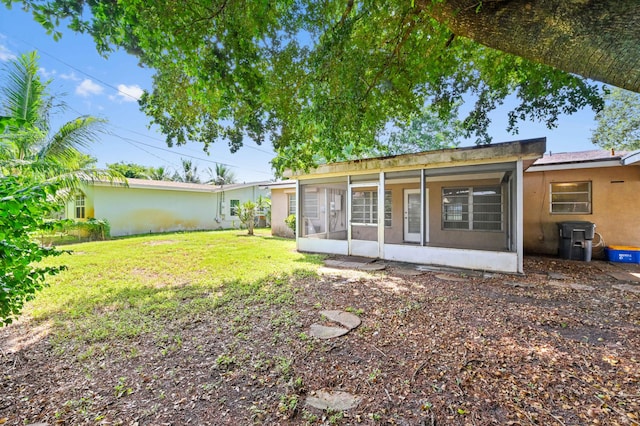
[
  {"x": 310, "y": 207},
  {"x": 571, "y": 198},
  {"x": 292, "y": 203},
  {"x": 364, "y": 207},
  {"x": 387, "y": 209},
  {"x": 234, "y": 206},
  {"x": 472, "y": 208},
  {"x": 80, "y": 206}
]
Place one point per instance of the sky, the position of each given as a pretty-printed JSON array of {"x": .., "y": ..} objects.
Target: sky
[{"x": 108, "y": 88}]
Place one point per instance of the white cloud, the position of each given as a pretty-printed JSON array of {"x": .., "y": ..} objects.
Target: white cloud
[
  {"x": 5, "y": 53},
  {"x": 46, "y": 74},
  {"x": 72, "y": 76},
  {"x": 88, "y": 88},
  {"x": 129, "y": 93}
]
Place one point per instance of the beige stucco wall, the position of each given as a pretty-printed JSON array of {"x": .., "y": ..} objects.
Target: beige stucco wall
[
  {"x": 280, "y": 211},
  {"x": 615, "y": 207}
]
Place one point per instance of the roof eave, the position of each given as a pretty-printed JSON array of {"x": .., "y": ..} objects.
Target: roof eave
[
  {"x": 497, "y": 153},
  {"x": 631, "y": 158}
]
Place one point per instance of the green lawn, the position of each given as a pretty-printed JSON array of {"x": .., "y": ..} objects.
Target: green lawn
[{"x": 119, "y": 288}]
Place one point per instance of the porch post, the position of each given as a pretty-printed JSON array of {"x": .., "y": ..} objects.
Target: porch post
[
  {"x": 381, "y": 216},
  {"x": 423, "y": 216},
  {"x": 298, "y": 214},
  {"x": 519, "y": 222},
  {"x": 348, "y": 207}
]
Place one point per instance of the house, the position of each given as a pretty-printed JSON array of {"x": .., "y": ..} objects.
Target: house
[
  {"x": 602, "y": 187},
  {"x": 283, "y": 204},
  {"x": 459, "y": 207},
  {"x": 149, "y": 206}
]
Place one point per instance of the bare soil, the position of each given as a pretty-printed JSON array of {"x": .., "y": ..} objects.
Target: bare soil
[{"x": 488, "y": 349}]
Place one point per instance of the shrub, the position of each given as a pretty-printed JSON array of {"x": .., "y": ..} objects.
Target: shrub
[
  {"x": 291, "y": 222},
  {"x": 247, "y": 214},
  {"x": 25, "y": 204}
]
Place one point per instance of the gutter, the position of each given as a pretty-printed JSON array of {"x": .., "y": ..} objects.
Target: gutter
[{"x": 630, "y": 158}]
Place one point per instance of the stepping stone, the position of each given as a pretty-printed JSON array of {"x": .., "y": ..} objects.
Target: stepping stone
[
  {"x": 372, "y": 267},
  {"x": 345, "y": 319},
  {"x": 625, "y": 276},
  {"x": 343, "y": 264},
  {"x": 585, "y": 287},
  {"x": 324, "y": 332},
  {"x": 557, "y": 276},
  {"x": 573, "y": 286},
  {"x": 517, "y": 284},
  {"x": 409, "y": 272},
  {"x": 336, "y": 401},
  {"x": 628, "y": 287},
  {"x": 451, "y": 278}
]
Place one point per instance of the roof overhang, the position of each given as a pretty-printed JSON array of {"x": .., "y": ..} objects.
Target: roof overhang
[
  {"x": 631, "y": 158},
  {"x": 157, "y": 185},
  {"x": 573, "y": 166},
  {"x": 527, "y": 150}
]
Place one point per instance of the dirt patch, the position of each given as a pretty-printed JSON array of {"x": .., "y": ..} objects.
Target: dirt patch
[{"x": 428, "y": 351}]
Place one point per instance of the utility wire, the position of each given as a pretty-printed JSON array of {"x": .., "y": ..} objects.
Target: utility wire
[{"x": 128, "y": 140}]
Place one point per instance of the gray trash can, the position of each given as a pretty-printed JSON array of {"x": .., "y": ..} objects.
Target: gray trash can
[{"x": 576, "y": 240}]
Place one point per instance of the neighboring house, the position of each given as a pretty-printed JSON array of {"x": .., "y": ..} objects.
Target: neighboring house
[
  {"x": 602, "y": 187},
  {"x": 458, "y": 207},
  {"x": 283, "y": 204},
  {"x": 148, "y": 206}
]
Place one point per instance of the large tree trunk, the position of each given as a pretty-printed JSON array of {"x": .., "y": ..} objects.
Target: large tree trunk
[{"x": 597, "y": 39}]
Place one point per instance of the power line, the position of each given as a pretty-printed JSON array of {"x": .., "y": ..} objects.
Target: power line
[
  {"x": 162, "y": 140},
  {"x": 75, "y": 68},
  {"x": 133, "y": 141},
  {"x": 255, "y": 148},
  {"x": 129, "y": 140}
]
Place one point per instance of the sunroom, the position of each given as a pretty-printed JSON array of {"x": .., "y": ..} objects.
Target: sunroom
[{"x": 459, "y": 207}]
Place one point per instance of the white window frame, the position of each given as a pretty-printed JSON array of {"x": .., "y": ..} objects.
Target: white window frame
[
  {"x": 388, "y": 208},
  {"x": 470, "y": 201},
  {"x": 576, "y": 203},
  {"x": 80, "y": 205},
  {"x": 291, "y": 202},
  {"x": 234, "y": 207},
  {"x": 368, "y": 202}
]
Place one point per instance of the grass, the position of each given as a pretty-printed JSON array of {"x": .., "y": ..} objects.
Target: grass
[{"x": 120, "y": 288}]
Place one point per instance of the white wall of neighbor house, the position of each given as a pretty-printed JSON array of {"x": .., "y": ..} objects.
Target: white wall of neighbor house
[
  {"x": 224, "y": 209},
  {"x": 139, "y": 210},
  {"x": 135, "y": 210}
]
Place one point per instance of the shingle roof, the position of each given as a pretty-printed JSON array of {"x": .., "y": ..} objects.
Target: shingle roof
[
  {"x": 183, "y": 186},
  {"x": 579, "y": 157}
]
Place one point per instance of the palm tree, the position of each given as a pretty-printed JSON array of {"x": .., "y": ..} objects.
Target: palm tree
[
  {"x": 221, "y": 176},
  {"x": 28, "y": 137},
  {"x": 189, "y": 173},
  {"x": 159, "y": 173}
]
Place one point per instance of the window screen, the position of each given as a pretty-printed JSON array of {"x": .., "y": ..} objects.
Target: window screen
[
  {"x": 571, "y": 198},
  {"x": 472, "y": 208},
  {"x": 364, "y": 207}
]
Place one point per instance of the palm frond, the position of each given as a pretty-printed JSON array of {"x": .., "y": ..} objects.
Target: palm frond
[
  {"x": 64, "y": 146},
  {"x": 25, "y": 95}
]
